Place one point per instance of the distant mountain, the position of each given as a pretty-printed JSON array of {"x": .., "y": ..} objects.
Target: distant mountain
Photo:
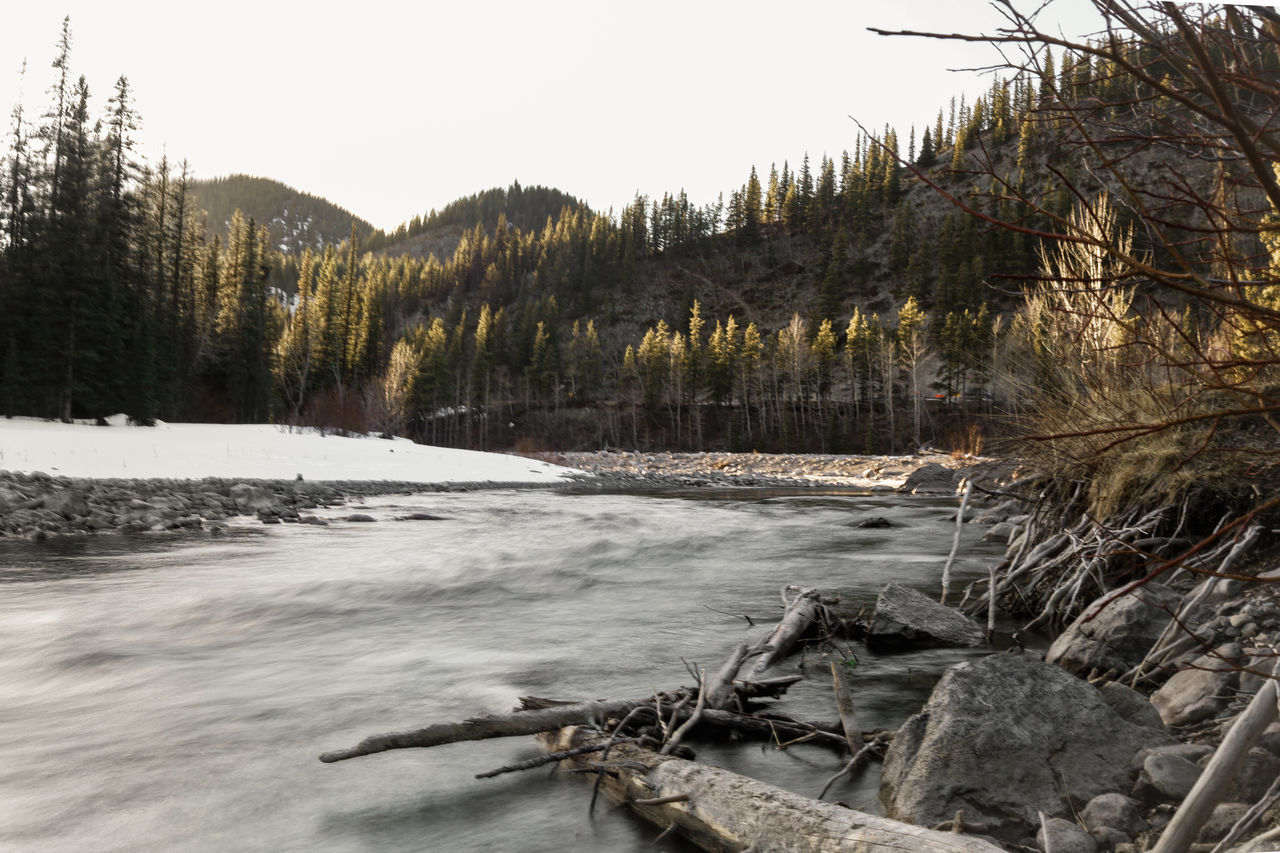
[{"x": 295, "y": 219}]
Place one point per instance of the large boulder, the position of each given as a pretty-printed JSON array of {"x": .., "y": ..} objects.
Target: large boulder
[
  {"x": 1004, "y": 738},
  {"x": 906, "y": 617},
  {"x": 930, "y": 479},
  {"x": 1119, "y": 636}
]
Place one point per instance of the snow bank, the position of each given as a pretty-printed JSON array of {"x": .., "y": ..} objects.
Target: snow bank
[{"x": 247, "y": 451}]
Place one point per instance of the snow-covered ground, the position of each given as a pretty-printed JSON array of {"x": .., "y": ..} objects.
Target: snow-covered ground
[{"x": 248, "y": 451}]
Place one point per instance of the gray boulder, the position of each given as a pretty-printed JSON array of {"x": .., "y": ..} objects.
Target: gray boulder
[
  {"x": 68, "y": 504},
  {"x": 1004, "y": 738},
  {"x": 1255, "y": 776},
  {"x": 1270, "y": 740},
  {"x": 930, "y": 479},
  {"x": 1117, "y": 638},
  {"x": 251, "y": 498},
  {"x": 1201, "y": 691},
  {"x": 1001, "y": 533},
  {"x": 1166, "y": 778},
  {"x": 1192, "y": 752},
  {"x": 1221, "y": 821},
  {"x": 1063, "y": 836},
  {"x": 906, "y": 617},
  {"x": 1131, "y": 705},
  {"x": 1116, "y": 811}
]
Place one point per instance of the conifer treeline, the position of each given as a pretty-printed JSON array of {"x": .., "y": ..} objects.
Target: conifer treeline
[{"x": 113, "y": 298}]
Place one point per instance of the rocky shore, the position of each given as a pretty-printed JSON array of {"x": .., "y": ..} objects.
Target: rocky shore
[
  {"x": 37, "y": 507},
  {"x": 625, "y": 469}
]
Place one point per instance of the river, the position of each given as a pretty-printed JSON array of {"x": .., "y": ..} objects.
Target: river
[{"x": 172, "y": 693}]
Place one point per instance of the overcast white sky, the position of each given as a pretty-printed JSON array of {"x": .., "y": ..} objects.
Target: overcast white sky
[{"x": 391, "y": 109}]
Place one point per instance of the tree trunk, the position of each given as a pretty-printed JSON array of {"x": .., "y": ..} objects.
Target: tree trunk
[{"x": 723, "y": 811}]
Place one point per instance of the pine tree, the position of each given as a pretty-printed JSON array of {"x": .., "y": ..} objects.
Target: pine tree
[{"x": 928, "y": 157}]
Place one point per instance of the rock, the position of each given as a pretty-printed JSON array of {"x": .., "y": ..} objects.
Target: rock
[
  {"x": 1119, "y": 637},
  {"x": 361, "y": 517},
  {"x": 1001, "y": 533},
  {"x": 1224, "y": 817},
  {"x": 419, "y": 516},
  {"x": 1270, "y": 740},
  {"x": 905, "y": 617},
  {"x": 1199, "y": 692},
  {"x": 313, "y": 519},
  {"x": 1004, "y": 738},
  {"x": 1063, "y": 836},
  {"x": 1255, "y": 776},
  {"x": 68, "y": 504},
  {"x": 1109, "y": 838},
  {"x": 1165, "y": 777},
  {"x": 930, "y": 479},
  {"x": 1001, "y": 513},
  {"x": 1131, "y": 705},
  {"x": 250, "y": 498},
  {"x": 1116, "y": 811},
  {"x": 1192, "y": 752},
  {"x": 875, "y": 522}
]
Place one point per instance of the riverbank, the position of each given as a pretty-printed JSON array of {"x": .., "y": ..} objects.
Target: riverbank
[
  {"x": 934, "y": 472},
  {"x": 85, "y": 478}
]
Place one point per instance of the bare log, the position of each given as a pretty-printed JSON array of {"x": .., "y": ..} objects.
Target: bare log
[
  {"x": 726, "y": 811},
  {"x": 800, "y": 617},
  {"x": 491, "y": 726}
]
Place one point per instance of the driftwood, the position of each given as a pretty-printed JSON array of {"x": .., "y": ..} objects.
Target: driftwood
[
  {"x": 802, "y": 614},
  {"x": 491, "y": 726},
  {"x": 721, "y": 810},
  {"x": 631, "y": 746}
]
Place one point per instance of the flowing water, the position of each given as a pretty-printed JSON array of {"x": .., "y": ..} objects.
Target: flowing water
[{"x": 173, "y": 693}]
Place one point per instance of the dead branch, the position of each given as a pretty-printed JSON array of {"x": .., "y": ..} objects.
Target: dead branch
[{"x": 490, "y": 726}]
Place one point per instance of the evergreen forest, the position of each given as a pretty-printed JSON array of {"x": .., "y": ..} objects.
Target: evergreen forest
[{"x": 869, "y": 301}]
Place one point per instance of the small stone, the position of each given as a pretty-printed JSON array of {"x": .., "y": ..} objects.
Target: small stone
[
  {"x": 1064, "y": 836},
  {"x": 1110, "y": 838},
  {"x": 1166, "y": 777},
  {"x": 1255, "y": 776},
  {"x": 361, "y": 517},
  {"x": 1224, "y": 817},
  {"x": 1115, "y": 811}
]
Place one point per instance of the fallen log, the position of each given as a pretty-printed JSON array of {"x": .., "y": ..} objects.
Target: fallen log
[
  {"x": 720, "y": 810},
  {"x": 801, "y": 615}
]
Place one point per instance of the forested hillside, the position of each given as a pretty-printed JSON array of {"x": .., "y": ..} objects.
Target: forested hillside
[
  {"x": 865, "y": 302},
  {"x": 294, "y": 219}
]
